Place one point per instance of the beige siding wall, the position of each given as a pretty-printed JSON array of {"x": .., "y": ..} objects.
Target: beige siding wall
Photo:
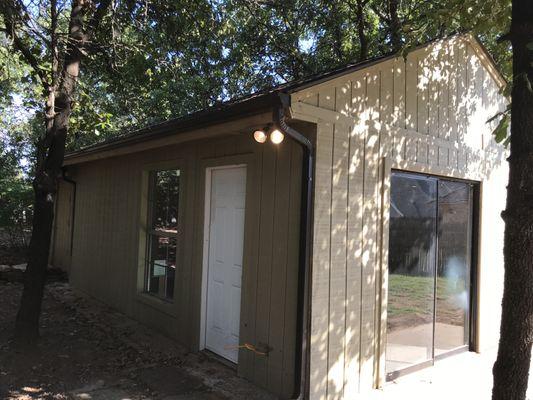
[
  {"x": 105, "y": 260},
  {"x": 62, "y": 232},
  {"x": 426, "y": 113}
]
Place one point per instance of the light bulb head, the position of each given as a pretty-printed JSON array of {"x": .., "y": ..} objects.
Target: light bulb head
[
  {"x": 260, "y": 136},
  {"x": 276, "y": 136}
]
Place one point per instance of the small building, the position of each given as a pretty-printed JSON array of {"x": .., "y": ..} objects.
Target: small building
[{"x": 322, "y": 237}]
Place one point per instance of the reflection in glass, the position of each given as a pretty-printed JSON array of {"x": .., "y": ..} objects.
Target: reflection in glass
[
  {"x": 453, "y": 268},
  {"x": 165, "y": 196},
  {"x": 162, "y": 232},
  {"x": 411, "y": 271},
  {"x": 162, "y": 266},
  {"x": 430, "y": 237}
]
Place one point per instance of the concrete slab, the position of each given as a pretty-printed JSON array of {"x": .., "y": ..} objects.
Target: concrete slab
[{"x": 463, "y": 376}]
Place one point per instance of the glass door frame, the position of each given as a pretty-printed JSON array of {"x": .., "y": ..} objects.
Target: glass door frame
[{"x": 473, "y": 284}]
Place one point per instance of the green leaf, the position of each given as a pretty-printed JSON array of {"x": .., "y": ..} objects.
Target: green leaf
[
  {"x": 507, "y": 111},
  {"x": 507, "y": 141},
  {"x": 496, "y": 116},
  {"x": 506, "y": 90},
  {"x": 502, "y": 130}
]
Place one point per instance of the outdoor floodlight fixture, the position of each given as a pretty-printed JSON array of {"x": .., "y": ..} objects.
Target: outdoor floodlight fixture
[
  {"x": 260, "y": 136},
  {"x": 275, "y": 134}
]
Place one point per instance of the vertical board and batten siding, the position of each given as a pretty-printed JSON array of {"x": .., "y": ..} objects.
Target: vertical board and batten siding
[
  {"x": 425, "y": 113},
  {"x": 106, "y": 245},
  {"x": 62, "y": 233}
]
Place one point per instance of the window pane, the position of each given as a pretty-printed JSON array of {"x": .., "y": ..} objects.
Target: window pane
[
  {"x": 165, "y": 200},
  {"x": 161, "y": 265},
  {"x": 453, "y": 274},
  {"x": 430, "y": 250},
  {"x": 412, "y": 235}
]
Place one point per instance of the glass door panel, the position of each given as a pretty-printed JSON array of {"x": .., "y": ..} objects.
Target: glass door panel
[
  {"x": 453, "y": 267},
  {"x": 412, "y": 247},
  {"x": 430, "y": 252}
]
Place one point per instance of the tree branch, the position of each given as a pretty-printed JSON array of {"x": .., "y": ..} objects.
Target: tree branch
[
  {"x": 26, "y": 20},
  {"x": 379, "y": 13},
  {"x": 293, "y": 52},
  {"x": 8, "y": 11},
  {"x": 97, "y": 17}
]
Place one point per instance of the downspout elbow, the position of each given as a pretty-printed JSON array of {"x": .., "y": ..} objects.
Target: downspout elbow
[{"x": 66, "y": 178}]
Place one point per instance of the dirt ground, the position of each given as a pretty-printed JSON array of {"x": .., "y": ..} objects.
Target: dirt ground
[
  {"x": 88, "y": 351},
  {"x": 10, "y": 256}
]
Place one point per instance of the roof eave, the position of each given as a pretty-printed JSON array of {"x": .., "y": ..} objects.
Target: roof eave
[
  {"x": 485, "y": 56},
  {"x": 197, "y": 120},
  {"x": 255, "y": 104}
]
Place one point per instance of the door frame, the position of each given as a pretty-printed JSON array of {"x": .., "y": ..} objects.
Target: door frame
[
  {"x": 205, "y": 244},
  {"x": 386, "y": 169}
]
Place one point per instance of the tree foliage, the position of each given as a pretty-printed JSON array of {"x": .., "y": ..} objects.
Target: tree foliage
[
  {"x": 151, "y": 61},
  {"x": 15, "y": 191},
  {"x": 17, "y": 132}
]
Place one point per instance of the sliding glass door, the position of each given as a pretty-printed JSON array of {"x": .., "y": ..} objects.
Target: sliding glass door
[
  {"x": 410, "y": 312},
  {"x": 452, "y": 301},
  {"x": 429, "y": 270}
]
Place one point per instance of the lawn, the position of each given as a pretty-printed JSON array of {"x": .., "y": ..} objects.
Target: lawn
[{"x": 411, "y": 300}]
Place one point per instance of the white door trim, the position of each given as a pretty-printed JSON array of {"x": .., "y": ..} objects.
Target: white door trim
[{"x": 205, "y": 247}]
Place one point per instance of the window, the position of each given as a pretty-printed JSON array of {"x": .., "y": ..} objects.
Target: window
[
  {"x": 162, "y": 232},
  {"x": 430, "y": 252}
]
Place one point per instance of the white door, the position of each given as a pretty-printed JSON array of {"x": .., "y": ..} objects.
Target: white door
[{"x": 226, "y": 235}]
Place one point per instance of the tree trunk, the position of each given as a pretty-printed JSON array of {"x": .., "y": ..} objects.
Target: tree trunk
[
  {"x": 363, "y": 40},
  {"x": 511, "y": 369},
  {"x": 395, "y": 26},
  {"x": 27, "y": 325},
  {"x": 51, "y": 151},
  {"x": 337, "y": 43}
]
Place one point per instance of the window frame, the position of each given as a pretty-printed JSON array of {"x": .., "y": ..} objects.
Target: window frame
[
  {"x": 472, "y": 314},
  {"x": 165, "y": 304}
]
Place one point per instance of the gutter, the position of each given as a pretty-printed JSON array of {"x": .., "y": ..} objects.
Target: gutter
[
  {"x": 233, "y": 110},
  {"x": 303, "y": 313}
]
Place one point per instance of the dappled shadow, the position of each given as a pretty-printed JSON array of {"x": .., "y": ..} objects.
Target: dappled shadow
[
  {"x": 88, "y": 351},
  {"x": 426, "y": 113}
]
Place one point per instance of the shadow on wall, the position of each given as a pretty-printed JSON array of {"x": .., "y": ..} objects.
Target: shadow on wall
[{"x": 426, "y": 113}]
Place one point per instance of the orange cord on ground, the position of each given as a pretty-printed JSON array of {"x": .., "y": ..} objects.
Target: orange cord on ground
[{"x": 247, "y": 346}]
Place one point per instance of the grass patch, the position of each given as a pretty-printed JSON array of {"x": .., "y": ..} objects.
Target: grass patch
[{"x": 414, "y": 295}]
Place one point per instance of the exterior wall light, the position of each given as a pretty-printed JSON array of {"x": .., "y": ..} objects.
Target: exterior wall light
[
  {"x": 260, "y": 136},
  {"x": 276, "y": 136}
]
